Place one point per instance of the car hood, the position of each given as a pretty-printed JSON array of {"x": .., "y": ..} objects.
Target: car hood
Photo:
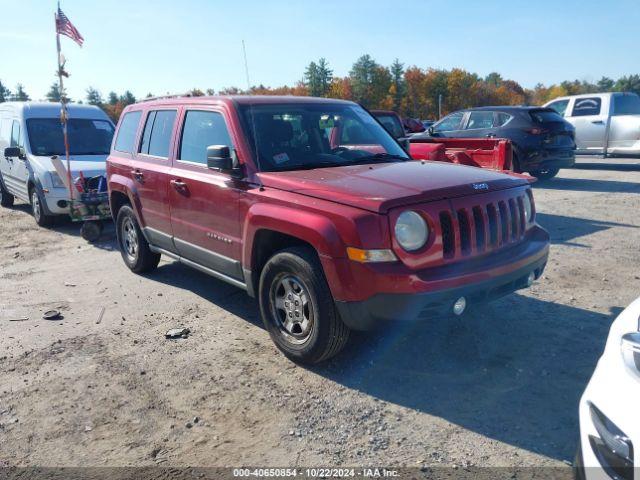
[{"x": 380, "y": 187}]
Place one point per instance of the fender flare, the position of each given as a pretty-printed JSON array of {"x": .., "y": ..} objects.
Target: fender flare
[{"x": 121, "y": 184}]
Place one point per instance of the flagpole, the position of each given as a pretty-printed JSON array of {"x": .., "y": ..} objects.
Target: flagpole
[{"x": 63, "y": 110}]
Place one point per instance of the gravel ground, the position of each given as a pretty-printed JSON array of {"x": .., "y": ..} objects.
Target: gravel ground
[{"x": 499, "y": 387}]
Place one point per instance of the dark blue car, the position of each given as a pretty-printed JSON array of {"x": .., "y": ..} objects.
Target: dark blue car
[{"x": 543, "y": 142}]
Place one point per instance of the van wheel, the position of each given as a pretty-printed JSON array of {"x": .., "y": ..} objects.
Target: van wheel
[
  {"x": 133, "y": 246},
  {"x": 297, "y": 307},
  {"x": 545, "y": 173},
  {"x": 6, "y": 199},
  {"x": 37, "y": 209}
]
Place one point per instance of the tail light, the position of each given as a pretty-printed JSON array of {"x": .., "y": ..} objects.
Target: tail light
[{"x": 536, "y": 131}]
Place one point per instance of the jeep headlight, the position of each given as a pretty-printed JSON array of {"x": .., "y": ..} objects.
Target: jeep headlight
[
  {"x": 411, "y": 231},
  {"x": 528, "y": 207},
  {"x": 56, "y": 181}
]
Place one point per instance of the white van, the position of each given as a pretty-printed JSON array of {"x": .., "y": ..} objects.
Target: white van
[
  {"x": 605, "y": 123},
  {"x": 30, "y": 135}
]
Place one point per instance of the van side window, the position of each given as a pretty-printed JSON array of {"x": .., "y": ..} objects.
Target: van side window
[
  {"x": 125, "y": 141},
  {"x": 586, "y": 106},
  {"x": 161, "y": 133},
  {"x": 16, "y": 140},
  {"x": 201, "y": 130}
]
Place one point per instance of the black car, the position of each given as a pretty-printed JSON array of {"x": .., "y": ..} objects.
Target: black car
[{"x": 543, "y": 142}]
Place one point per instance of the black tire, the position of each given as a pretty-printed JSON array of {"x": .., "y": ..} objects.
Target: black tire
[
  {"x": 134, "y": 248},
  {"x": 6, "y": 199},
  {"x": 38, "y": 210},
  {"x": 324, "y": 334},
  {"x": 91, "y": 231},
  {"x": 545, "y": 173}
]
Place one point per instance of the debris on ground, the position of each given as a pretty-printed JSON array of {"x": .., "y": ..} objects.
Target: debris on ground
[
  {"x": 100, "y": 315},
  {"x": 180, "y": 332},
  {"x": 52, "y": 315}
]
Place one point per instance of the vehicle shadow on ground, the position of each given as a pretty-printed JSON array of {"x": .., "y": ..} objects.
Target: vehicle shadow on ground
[
  {"x": 630, "y": 165},
  {"x": 588, "y": 185},
  {"x": 564, "y": 229},
  {"x": 63, "y": 224},
  {"x": 222, "y": 294},
  {"x": 512, "y": 371}
]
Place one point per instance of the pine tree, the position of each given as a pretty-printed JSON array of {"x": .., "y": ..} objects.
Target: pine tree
[
  {"x": 5, "y": 93},
  {"x": 398, "y": 83},
  {"x": 94, "y": 97},
  {"x": 55, "y": 95},
  {"x": 127, "y": 98},
  {"x": 113, "y": 98},
  {"x": 20, "y": 95}
]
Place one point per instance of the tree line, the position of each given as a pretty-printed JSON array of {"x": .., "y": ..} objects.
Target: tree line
[{"x": 411, "y": 91}]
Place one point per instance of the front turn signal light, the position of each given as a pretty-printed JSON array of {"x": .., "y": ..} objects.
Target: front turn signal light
[{"x": 370, "y": 256}]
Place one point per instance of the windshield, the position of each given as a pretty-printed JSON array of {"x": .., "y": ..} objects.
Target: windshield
[
  {"x": 305, "y": 136},
  {"x": 86, "y": 137}
]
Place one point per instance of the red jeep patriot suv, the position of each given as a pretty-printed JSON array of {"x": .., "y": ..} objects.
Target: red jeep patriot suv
[{"x": 312, "y": 207}]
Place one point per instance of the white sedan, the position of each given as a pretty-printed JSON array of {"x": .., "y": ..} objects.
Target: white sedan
[{"x": 610, "y": 406}]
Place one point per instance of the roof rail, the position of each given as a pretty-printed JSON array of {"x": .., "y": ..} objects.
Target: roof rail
[{"x": 164, "y": 97}]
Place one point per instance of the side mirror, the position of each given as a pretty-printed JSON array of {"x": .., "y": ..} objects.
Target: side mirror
[
  {"x": 430, "y": 131},
  {"x": 219, "y": 158},
  {"x": 14, "y": 152}
]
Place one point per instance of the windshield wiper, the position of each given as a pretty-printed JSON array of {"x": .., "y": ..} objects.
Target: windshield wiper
[{"x": 378, "y": 157}]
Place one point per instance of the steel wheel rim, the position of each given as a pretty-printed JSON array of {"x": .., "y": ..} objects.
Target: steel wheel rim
[
  {"x": 129, "y": 239},
  {"x": 35, "y": 205},
  {"x": 291, "y": 308}
]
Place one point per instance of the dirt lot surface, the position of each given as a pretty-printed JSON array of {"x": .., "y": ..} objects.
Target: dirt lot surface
[{"x": 499, "y": 387}]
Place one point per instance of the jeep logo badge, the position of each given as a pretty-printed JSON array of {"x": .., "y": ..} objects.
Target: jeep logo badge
[{"x": 480, "y": 186}]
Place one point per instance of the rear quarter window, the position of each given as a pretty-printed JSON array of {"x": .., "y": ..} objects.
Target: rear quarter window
[
  {"x": 543, "y": 116},
  {"x": 126, "y": 137}
]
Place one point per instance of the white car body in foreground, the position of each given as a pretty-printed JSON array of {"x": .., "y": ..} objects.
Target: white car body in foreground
[
  {"x": 610, "y": 446},
  {"x": 605, "y": 123},
  {"x": 35, "y": 171}
]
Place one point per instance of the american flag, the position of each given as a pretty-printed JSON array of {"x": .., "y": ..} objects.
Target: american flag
[{"x": 65, "y": 27}]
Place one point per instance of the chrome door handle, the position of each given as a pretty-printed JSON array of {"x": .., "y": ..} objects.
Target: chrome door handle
[{"x": 179, "y": 185}]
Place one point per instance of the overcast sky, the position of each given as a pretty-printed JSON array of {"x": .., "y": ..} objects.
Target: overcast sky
[{"x": 162, "y": 46}]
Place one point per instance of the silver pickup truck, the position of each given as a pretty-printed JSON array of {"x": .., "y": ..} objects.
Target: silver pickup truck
[{"x": 605, "y": 123}]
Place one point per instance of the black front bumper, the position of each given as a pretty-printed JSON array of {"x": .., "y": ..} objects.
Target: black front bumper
[{"x": 389, "y": 307}]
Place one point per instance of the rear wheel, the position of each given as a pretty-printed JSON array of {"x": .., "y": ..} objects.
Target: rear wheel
[
  {"x": 545, "y": 173},
  {"x": 6, "y": 199},
  {"x": 133, "y": 246},
  {"x": 297, "y": 307},
  {"x": 38, "y": 209}
]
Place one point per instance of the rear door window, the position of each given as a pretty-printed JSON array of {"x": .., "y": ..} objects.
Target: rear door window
[
  {"x": 156, "y": 138},
  {"x": 559, "y": 106},
  {"x": 202, "y": 129},
  {"x": 626, "y": 104},
  {"x": 451, "y": 122},
  {"x": 126, "y": 139},
  {"x": 480, "y": 119},
  {"x": 586, "y": 106}
]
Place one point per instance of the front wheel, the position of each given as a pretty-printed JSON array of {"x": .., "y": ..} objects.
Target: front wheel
[
  {"x": 297, "y": 307},
  {"x": 133, "y": 246},
  {"x": 38, "y": 210},
  {"x": 545, "y": 173}
]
